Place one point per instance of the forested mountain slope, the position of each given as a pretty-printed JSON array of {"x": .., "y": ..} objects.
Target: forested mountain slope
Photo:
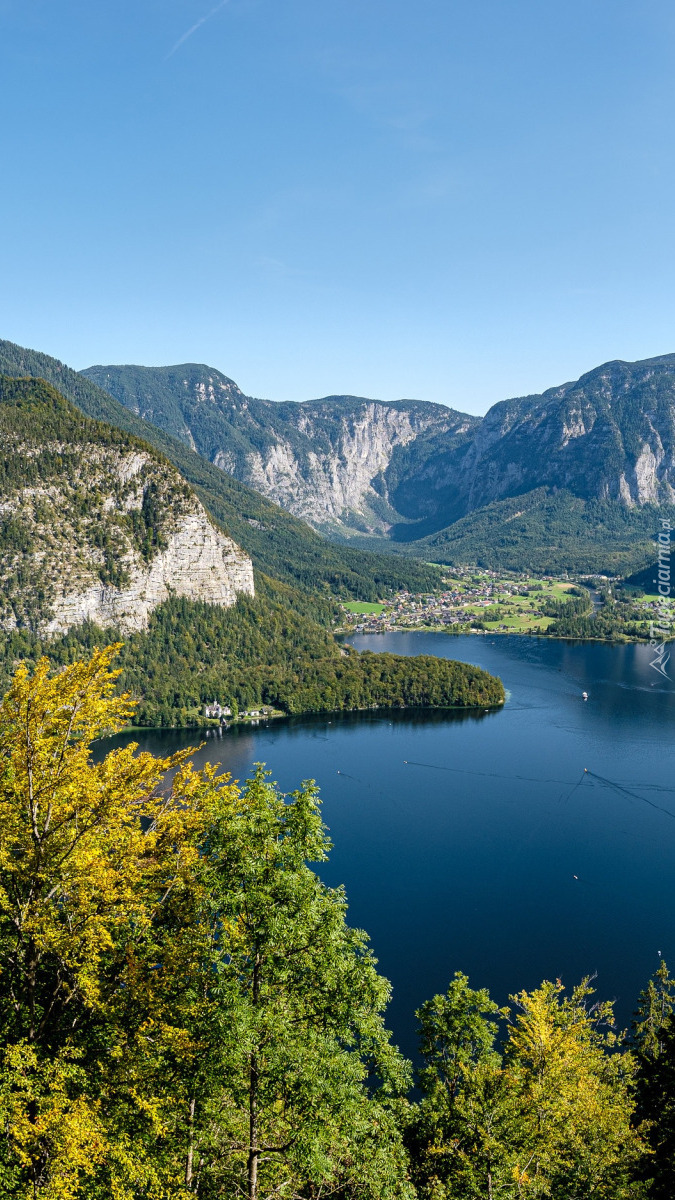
[
  {"x": 99, "y": 535},
  {"x": 279, "y": 544},
  {"x": 592, "y": 462},
  {"x": 261, "y": 651},
  {"x": 549, "y": 532}
]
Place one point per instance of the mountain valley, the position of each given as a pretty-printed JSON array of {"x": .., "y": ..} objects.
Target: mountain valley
[
  {"x": 571, "y": 475},
  {"x": 279, "y": 544},
  {"x": 102, "y": 540}
]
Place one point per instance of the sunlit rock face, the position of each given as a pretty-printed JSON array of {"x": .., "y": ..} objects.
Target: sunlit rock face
[
  {"x": 404, "y": 468},
  {"x": 96, "y": 526},
  {"x": 199, "y": 563}
]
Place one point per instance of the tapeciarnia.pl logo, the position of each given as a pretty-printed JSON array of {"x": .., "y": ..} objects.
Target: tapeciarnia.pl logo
[{"x": 661, "y": 629}]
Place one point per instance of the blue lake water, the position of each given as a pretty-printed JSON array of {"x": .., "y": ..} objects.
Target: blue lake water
[{"x": 477, "y": 842}]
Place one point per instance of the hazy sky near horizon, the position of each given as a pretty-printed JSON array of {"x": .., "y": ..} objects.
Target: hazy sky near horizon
[{"x": 450, "y": 201}]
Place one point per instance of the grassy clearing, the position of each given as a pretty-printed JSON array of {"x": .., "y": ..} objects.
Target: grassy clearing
[
  {"x": 362, "y": 608},
  {"x": 519, "y": 623}
]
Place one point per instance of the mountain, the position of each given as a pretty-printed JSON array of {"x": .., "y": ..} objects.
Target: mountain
[
  {"x": 608, "y": 436},
  {"x": 100, "y": 535},
  {"x": 548, "y": 532},
  {"x": 95, "y": 526},
  {"x": 589, "y": 463},
  {"x": 279, "y": 544},
  {"x": 337, "y": 463}
]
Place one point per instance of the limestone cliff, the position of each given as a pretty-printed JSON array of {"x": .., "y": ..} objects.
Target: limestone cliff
[
  {"x": 404, "y": 468},
  {"x": 94, "y": 526},
  {"x": 336, "y": 476},
  {"x": 334, "y": 462},
  {"x": 609, "y": 435},
  {"x": 198, "y": 562}
]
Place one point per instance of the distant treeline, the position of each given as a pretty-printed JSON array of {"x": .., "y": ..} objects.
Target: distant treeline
[{"x": 617, "y": 620}]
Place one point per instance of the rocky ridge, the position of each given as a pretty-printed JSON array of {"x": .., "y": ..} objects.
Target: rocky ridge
[
  {"x": 405, "y": 469},
  {"x": 332, "y": 462},
  {"x": 94, "y": 526}
]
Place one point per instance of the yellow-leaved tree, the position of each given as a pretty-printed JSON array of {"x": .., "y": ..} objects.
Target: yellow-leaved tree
[
  {"x": 548, "y": 1114},
  {"x": 183, "y": 1009},
  {"x": 576, "y": 1102},
  {"x": 99, "y": 939}
]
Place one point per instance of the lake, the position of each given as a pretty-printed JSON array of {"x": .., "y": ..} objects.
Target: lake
[{"x": 478, "y": 842}]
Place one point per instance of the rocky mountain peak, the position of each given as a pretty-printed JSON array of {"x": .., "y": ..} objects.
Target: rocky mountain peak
[{"x": 403, "y": 469}]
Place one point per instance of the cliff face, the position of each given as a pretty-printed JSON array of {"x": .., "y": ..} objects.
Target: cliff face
[
  {"x": 351, "y": 465},
  {"x": 96, "y": 527},
  {"x": 610, "y": 436},
  {"x": 334, "y": 472},
  {"x": 333, "y": 462},
  {"x": 198, "y": 562}
]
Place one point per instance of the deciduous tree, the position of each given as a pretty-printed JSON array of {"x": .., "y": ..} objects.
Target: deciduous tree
[
  {"x": 310, "y": 1091},
  {"x": 92, "y": 856},
  {"x": 548, "y": 1117}
]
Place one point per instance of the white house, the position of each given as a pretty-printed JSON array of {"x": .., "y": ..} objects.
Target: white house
[{"x": 217, "y": 710}]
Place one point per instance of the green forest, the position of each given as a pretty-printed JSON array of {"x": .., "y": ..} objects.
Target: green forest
[
  {"x": 549, "y": 532},
  {"x": 620, "y": 616},
  {"x": 260, "y": 651},
  {"x": 186, "y": 1012}
]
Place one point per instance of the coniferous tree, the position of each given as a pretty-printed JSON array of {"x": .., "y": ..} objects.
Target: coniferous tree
[{"x": 654, "y": 1042}]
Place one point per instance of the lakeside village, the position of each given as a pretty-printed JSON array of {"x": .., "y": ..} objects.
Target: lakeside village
[{"x": 482, "y": 601}]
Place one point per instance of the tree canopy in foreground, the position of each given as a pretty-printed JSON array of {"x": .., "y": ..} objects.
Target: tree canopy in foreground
[
  {"x": 184, "y": 1010},
  {"x": 183, "y": 1006}
]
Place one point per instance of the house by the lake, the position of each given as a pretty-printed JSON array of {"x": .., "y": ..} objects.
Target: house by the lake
[{"x": 217, "y": 711}]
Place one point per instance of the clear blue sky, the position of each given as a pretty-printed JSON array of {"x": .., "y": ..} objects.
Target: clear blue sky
[{"x": 451, "y": 201}]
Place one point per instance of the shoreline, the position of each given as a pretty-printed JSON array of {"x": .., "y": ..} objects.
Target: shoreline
[
  {"x": 483, "y": 707},
  {"x": 486, "y": 708},
  {"x": 621, "y": 640}
]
